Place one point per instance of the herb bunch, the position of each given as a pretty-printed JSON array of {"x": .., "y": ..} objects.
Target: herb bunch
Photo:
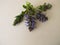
[{"x": 32, "y": 14}]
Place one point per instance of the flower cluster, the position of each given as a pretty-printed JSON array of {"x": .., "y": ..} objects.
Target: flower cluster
[{"x": 32, "y": 14}]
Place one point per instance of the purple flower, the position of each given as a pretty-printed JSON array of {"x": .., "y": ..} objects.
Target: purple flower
[{"x": 41, "y": 17}]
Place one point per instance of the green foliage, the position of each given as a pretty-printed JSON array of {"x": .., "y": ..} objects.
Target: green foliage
[
  {"x": 19, "y": 18},
  {"x": 29, "y": 8},
  {"x": 45, "y": 7}
]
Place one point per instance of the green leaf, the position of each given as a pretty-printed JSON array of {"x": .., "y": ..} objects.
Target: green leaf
[
  {"x": 45, "y": 7},
  {"x": 24, "y": 6},
  {"x": 41, "y": 8},
  {"x": 49, "y": 6},
  {"x": 19, "y": 18},
  {"x": 29, "y": 8}
]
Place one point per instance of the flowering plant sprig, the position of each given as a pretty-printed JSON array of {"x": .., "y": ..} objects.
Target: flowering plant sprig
[{"x": 32, "y": 14}]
